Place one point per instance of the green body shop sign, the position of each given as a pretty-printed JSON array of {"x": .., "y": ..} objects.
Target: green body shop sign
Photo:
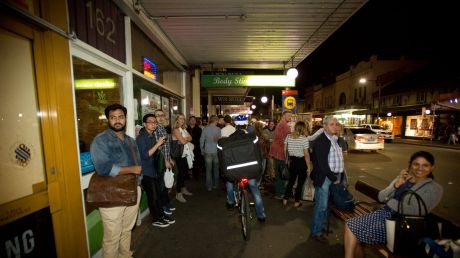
[{"x": 232, "y": 81}]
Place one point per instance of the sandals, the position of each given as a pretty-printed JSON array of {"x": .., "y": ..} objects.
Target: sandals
[
  {"x": 285, "y": 201},
  {"x": 297, "y": 204}
]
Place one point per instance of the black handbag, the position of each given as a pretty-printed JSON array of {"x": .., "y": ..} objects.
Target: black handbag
[
  {"x": 404, "y": 232},
  {"x": 341, "y": 198},
  {"x": 177, "y": 149},
  {"x": 285, "y": 173}
]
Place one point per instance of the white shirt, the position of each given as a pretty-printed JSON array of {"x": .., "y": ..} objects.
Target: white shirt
[{"x": 227, "y": 130}]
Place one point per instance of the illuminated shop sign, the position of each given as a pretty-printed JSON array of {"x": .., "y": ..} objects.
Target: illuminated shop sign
[
  {"x": 150, "y": 68},
  {"x": 230, "y": 81},
  {"x": 289, "y": 98},
  {"x": 95, "y": 84}
]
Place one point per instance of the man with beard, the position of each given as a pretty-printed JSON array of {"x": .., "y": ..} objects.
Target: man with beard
[{"x": 115, "y": 153}]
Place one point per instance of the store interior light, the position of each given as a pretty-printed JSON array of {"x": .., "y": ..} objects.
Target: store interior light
[
  {"x": 95, "y": 84},
  {"x": 427, "y": 111},
  {"x": 389, "y": 114},
  {"x": 253, "y": 106}
]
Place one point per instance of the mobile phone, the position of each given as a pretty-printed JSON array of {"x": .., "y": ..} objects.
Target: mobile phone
[{"x": 409, "y": 173}]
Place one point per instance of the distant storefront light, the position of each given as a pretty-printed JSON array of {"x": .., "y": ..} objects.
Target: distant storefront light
[{"x": 389, "y": 114}]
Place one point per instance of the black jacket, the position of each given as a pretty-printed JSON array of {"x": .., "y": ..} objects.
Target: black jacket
[{"x": 321, "y": 169}]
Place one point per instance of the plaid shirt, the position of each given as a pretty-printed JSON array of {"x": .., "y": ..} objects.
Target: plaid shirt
[
  {"x": 165, "y": 147},
  {"x": 335, "y": 157}
]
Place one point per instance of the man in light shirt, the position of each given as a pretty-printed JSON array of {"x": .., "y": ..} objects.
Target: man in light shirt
[
  {"x": 328, "y": 169},
  {"x": 228, "y": 128}
]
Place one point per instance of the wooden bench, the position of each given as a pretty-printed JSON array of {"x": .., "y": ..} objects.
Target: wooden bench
[{"x": 448, "y": 230}]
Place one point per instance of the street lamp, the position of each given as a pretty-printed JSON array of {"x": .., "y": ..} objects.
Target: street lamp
[
  {"x": 377, "y": 83},
  {"x": 292, "y": 73},
  {"x": 264, "y": 99}
]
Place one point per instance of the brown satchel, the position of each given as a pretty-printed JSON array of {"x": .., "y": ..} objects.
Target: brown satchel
[{"x": 109, "y": 191}]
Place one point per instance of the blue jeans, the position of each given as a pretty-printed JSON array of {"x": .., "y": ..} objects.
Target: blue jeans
[
  {"x": 320, "y": 210},
  {"x": 254, "y": 186},
  {"x": 279, "y": 184},
  {"x": 212, "y": 170}
]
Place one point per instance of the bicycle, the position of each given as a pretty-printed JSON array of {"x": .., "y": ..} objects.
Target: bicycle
[{"x": 240, "y": 191}]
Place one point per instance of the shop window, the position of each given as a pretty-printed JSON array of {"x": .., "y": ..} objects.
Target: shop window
[
  {"x": 342, "y": 99},
  {"x": 95, "y": 89},
  {"x": 148, "y": 98}
]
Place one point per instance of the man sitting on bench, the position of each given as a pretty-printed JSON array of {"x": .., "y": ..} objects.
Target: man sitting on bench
[{"x": 370, "y": 228}]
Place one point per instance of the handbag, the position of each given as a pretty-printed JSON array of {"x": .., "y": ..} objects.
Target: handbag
[
  {"x": 285, "y": 173},
  {"x": 109, "y": 191},
  {"x": 405, "y": 231},
  {"x": 342, "y": 199},
  {"x": 168, "y": 178},
  {"x": 177, "y": 149},
  {"x": 308, "y": 190}
]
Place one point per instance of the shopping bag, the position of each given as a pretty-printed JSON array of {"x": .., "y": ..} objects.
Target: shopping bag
[
  {"x": 169, "y": 178},
  {"x": 308, "y": 190}
]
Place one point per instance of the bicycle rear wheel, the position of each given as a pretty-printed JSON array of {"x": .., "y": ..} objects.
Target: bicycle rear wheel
[{"x": 245, "y": 215}]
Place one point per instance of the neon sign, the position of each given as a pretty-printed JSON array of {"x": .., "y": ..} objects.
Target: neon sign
[{"x": 150, "y": 68}]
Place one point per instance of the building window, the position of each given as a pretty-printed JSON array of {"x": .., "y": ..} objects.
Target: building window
[
  {"x": 421, "y": 97},
  {"x": 342, "y": 99},
  {"x": 95, "y": 89}
]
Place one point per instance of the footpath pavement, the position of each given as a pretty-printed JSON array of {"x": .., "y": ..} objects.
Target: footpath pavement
[
  {"x": 205, "y": 228},
  {"x": 428, "y": 142}
]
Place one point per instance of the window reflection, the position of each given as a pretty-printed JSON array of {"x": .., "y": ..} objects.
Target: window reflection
[{"x": 92, "y": 96}]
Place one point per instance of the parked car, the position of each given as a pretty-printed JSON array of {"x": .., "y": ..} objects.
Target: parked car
[
  {"x": 387, "y": 134},
  {"x": 359, "y": 138}
]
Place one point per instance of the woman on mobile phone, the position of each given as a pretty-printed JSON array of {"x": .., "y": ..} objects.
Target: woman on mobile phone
[{"x": 370, "y": 228}]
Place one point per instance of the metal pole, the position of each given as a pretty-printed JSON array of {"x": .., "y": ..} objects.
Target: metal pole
[
  {"x": 273, "y": 108},
  {"x": 378, "y": 107}
]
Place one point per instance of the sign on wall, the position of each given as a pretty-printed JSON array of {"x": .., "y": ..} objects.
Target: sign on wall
[
  {"x": 232, "y": 81},
  {"x": 30, "y": 236},
  {"x": 228, "y": 100},
  {"x": 289, "y": 99},
  {"x": 100, "y": 24}
]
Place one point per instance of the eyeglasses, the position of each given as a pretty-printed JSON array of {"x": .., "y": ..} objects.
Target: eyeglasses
[
  {"x": 160, "y": 115},
  {"x": 151, "y": 122},
  {"x": 122, "y": 117}
]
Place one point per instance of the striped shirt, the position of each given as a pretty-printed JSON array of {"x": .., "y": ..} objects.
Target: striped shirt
[
  {"x": 296, "y": 146},
  {"x": 335, "y": 157}
]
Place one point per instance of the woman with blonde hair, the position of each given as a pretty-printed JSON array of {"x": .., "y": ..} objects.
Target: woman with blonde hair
[
  {"x": 180, "y": 134},
  {"x": 296, "y": 147}
]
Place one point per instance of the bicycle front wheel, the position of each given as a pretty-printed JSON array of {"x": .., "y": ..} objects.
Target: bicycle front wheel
[{"x": 245, "y": 215}]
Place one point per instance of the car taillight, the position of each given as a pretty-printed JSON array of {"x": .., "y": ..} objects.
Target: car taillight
[{"x": 381, "y": 138}]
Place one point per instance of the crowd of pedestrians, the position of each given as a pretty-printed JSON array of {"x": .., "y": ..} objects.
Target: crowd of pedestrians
[{"x": 318, "y": 156}]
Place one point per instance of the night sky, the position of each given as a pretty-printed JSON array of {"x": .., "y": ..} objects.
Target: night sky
[{"x": 388, "y": 28}]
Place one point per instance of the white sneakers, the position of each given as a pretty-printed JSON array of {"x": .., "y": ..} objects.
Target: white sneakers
[
  {"x": 180, "y": 198},
  {"x": 185, "y": 191}
]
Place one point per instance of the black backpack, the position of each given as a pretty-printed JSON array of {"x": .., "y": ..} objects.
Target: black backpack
[{"x": 239, "y": 156}]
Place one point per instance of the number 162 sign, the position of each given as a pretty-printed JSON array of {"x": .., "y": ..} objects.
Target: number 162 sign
[{"x": 100, "y": 23}]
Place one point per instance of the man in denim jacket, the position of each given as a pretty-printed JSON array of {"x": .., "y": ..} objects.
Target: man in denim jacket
[{"x": 115, "y": 153}]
